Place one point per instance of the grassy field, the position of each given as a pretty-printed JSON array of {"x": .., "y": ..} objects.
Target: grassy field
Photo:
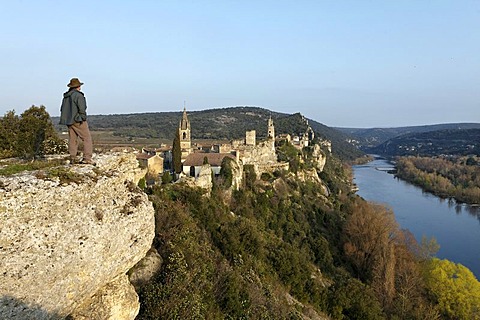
[{"x": 106, "y": 140}]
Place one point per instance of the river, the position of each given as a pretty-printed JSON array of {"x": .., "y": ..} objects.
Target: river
[{"x": 456, "y": 227}]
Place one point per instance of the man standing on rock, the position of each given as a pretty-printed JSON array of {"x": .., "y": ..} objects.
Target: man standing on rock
[{"x": 74, "y": 116}]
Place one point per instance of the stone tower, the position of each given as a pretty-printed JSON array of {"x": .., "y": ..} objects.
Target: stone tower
[
  {"x": 184, "y": 134},
  {"x": 271, "y": 129},
  {"x": 250, "y": 138}
]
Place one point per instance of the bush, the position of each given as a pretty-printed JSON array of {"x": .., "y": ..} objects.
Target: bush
[
  {"x": 29, "y": 136},
  {"x": 166, "y": 177},
  {"x": 142, "y": 184}
]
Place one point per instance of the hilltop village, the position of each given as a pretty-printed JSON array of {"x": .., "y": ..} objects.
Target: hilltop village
[{"x": 197, "y": 158}]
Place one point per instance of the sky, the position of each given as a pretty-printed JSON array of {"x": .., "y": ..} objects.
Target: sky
[{"x": 355, "y": 63}]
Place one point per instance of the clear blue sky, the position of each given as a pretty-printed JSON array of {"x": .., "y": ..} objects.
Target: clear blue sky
[{"x": 343, "y": 63}]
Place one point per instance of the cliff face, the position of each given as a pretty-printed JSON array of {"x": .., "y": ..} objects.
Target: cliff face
[
  {"x": 67, "y": 237},
  {"x": 318, "y": 158}
]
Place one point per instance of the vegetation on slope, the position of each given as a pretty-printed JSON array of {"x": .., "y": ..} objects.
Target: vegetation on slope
[
  {"x": 455, "y": 177},
  {"x": 284, "y": 248}
]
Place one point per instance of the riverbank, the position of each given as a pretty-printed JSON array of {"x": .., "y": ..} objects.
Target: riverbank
[
  {"x": 455, "y": 226},
  {"x": 447, "y": 178}
]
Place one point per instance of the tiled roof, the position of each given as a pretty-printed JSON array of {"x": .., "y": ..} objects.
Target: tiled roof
[
  {"x": 144, "y": 156},
  {"x": 214, "y": 159}
]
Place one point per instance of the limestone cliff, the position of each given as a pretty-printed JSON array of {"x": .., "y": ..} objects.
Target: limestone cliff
[
  {"x": 68, "y": 236},
  {"x": 318, "y": 158}
]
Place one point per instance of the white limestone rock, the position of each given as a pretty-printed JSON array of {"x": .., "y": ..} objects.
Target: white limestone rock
[
  {"x": 117, "y": 300},
  {"x": 319, "y": 158},
  {"x": 61, "y": 241},
  {"x": 145, "y": 269},
  {"x": 204, "y": 179}
]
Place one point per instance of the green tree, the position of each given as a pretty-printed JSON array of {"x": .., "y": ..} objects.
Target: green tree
[
  {"x": 454, "y": 287},
  {"x": 249, "y": 176},
  {"x": 177, "y": 154},
  {"x": 226, "y": 171},
  {"x": 166, "y": 177},
  {"x": 471, "y": 162},
  {"x": 9, "y": 125},
  {"x": 35, "y": 133}
]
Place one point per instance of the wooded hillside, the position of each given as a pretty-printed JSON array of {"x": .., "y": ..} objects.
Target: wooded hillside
[
  {"x": 432, "y": 143},
  {"x": 372, "y": 137}
]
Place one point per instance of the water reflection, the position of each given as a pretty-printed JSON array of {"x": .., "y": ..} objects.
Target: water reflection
[{"x": 456, "y": 226}]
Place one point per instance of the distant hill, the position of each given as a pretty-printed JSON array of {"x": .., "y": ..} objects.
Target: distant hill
[
  {"x": 222, "y": 123},
  {"x": 372, "y": 137},
  {"x": 432, "y": 143}
]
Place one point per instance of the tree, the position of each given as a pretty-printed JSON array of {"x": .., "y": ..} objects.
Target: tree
[
  {"x": 471, "y": 162},
  {"x": 226, "y": 171},
  {"x": 454, "y": 287},
  {"x": 369, "y": 230},
  {"x": 249, "y": 176},
  {"x": 177, "y": 154},
  {"x": 9, "y": 125},
  {"x": 36, "y": 134}
]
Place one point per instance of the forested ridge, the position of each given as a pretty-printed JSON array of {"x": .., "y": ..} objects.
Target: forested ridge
[
  {"x": 434, "y": 143},
  {"x": 367, "y": 138},
  {"x": 288, "y": 247}
]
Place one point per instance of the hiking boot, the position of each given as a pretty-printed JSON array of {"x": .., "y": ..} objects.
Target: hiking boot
[{"x": 90, "y": 162}]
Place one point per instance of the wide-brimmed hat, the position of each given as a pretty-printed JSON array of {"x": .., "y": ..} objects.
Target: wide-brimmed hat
[{"x": 74, "y": 83}]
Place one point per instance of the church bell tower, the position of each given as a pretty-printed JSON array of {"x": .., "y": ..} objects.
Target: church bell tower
[
  {"x": 271, "y": 129},
  {"x": 184, "y": 134}
]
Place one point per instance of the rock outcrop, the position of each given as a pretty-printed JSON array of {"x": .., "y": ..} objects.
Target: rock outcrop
[
  {"x": 145, "y": 269},
  {"x": 204, "y": 179},
  {"x": 318, "y": 158},
  {"x": 67, "y": 238},
  {"x": 116, "y": 300}
]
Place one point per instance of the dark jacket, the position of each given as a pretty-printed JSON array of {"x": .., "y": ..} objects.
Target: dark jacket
[{"x": 74, "y": 107}]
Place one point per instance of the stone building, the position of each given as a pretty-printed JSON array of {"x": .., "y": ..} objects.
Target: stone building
[
  {"x": 153, "y": 162},
  {"x": 251, "y": 138},
  {"x": 194, "y": 162},
  {"x": 271, "y": 129},
  {"x": 261, "y": 155},
  {"x": 304, "y": 139}
]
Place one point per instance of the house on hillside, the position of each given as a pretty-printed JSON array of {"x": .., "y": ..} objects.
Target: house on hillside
[
  {"x": 152, "y": 161},
  {"x": 194, "y": 161}
]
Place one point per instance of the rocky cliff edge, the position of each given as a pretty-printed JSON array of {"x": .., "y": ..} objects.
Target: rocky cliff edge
[{"x": 67, "y": 236}]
